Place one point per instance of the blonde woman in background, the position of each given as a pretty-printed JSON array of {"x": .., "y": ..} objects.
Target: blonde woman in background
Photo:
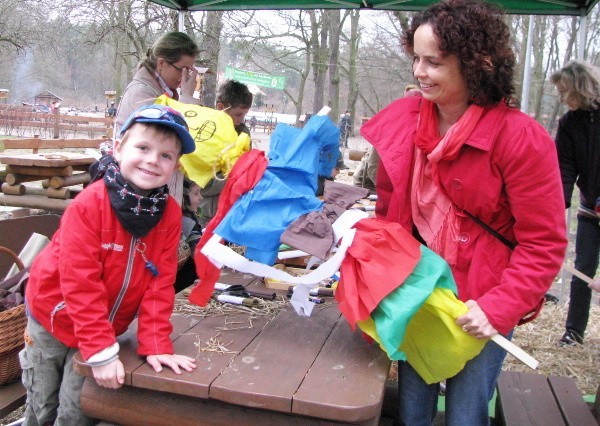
[{"x": 578, "y": 146}]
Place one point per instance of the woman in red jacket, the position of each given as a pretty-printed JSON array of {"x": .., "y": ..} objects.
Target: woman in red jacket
[
  {"x": 478, "y": 182},
  {"x": 113, "y": 259}
]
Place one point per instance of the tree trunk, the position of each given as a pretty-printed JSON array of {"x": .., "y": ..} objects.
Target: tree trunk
[
  {"x": 352, "y": 84},
  {"x": 334, "y": 54},
  {"x": 212, "y": 45},
  {"x": 320, "y": 55}
]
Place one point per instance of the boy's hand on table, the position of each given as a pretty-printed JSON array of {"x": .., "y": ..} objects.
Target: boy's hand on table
[
  {"x": 111, "y": 375},
  {"x": 175, "y": 362}
]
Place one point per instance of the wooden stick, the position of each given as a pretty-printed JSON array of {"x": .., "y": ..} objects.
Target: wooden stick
[
  {"x": 577, "y": 273},
  {"x": 515, "y": 351},
  {"x": 58, "y": 182},
  {"x": 13, "y": 179}
]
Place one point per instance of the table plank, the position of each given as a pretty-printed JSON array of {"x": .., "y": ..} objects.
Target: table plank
[
  {"x": 229, "y": 276},
  {"x": 134, "y": 406},
  {"x": 270, "y": 370},
  {"x": 368, "y": 366},
  {"x": 182, "y": 323},
  {"x": 58, "y": 159},
  {"x": 235, "y": 333}
]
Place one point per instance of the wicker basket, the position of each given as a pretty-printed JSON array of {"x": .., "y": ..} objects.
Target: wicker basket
[
  {"x": 12, "y": 327},
  {"x": 10, "y": 368}
]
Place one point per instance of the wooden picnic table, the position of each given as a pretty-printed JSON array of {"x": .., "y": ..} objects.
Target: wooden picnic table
[{"x": 282, "y": 370}]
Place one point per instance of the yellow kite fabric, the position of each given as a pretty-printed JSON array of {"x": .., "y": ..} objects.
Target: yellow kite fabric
[
  {"x": 416, "y": 322},
  {"x": 218, "y": 146}
]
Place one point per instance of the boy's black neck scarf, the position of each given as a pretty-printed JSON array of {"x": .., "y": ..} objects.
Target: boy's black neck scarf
[{"x": 137, "y": 213}]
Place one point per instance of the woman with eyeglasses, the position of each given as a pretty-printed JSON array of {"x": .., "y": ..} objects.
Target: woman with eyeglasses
[{"x": 168, "y": 65}]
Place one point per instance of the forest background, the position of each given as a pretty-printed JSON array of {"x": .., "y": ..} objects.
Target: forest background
[{"x": 346, "y": 59}]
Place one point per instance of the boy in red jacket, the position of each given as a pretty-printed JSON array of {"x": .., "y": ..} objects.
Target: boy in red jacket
[{"x": 114, "y": 257}]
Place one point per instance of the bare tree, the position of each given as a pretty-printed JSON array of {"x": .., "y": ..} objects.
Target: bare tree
[{"x": 18, "y": 25}]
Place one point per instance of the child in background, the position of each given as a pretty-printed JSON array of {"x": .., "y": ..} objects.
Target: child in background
[
  {"x": 235, "y": 99},
  {"x": 114, "y": 257},
  {"x": 191, "y": 231}
]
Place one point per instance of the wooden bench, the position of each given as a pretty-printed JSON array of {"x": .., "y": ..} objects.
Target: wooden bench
[
  {"x": 596, "y": 408},
  {"x": 534, "y": 399},
  {"x": 12, "y": 396}
]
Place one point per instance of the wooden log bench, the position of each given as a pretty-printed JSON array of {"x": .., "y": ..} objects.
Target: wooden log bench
[
  {"x": 535, "y": 399},
  {"x": 60, "y": 172}
]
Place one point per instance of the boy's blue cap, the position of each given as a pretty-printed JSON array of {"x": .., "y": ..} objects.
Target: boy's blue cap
[{"x": 165, "y": 116}]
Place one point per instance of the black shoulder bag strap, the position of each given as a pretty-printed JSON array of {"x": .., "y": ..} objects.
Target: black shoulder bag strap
[{"x": 492, "y": 231}]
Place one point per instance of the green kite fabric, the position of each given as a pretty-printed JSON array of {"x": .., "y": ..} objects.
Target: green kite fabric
[{"x": 416, "y": 322}]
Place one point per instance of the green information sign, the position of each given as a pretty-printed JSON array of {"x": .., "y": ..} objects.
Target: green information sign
[{"x": 249, "y": 77}]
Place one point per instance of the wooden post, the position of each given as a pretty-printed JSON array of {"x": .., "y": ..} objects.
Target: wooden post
[
  {"x": 35, "y": 150},
  {"x": 55, "y": 111}
]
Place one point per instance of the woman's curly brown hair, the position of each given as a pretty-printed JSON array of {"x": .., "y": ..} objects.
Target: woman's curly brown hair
[{"x": 476, "y": 33}]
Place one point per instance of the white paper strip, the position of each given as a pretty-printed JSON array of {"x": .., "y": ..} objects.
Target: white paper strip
[{"x": 300, "y": 302}]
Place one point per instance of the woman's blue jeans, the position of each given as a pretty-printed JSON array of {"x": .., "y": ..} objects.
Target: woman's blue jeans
[
  {"x": 587, "y": 250},
  {"x": 467, "y": 394}
]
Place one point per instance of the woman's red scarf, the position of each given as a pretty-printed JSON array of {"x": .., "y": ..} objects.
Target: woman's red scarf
[{"x": 432, "y": 210}]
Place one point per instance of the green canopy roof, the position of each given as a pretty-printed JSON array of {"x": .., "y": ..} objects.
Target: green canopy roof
[{"x": 522, "y": 7}]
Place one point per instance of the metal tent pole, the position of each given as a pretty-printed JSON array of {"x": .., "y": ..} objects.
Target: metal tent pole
[
  {"x": 582, "y": 37},
  {"x": 527, "y": 74}
]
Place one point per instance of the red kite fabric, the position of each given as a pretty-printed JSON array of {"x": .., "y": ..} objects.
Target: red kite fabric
[{"x": 244, "y": 176}]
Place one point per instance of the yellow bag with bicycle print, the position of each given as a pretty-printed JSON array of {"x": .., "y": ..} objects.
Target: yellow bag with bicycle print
[{"x": 218, "y": 146}]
